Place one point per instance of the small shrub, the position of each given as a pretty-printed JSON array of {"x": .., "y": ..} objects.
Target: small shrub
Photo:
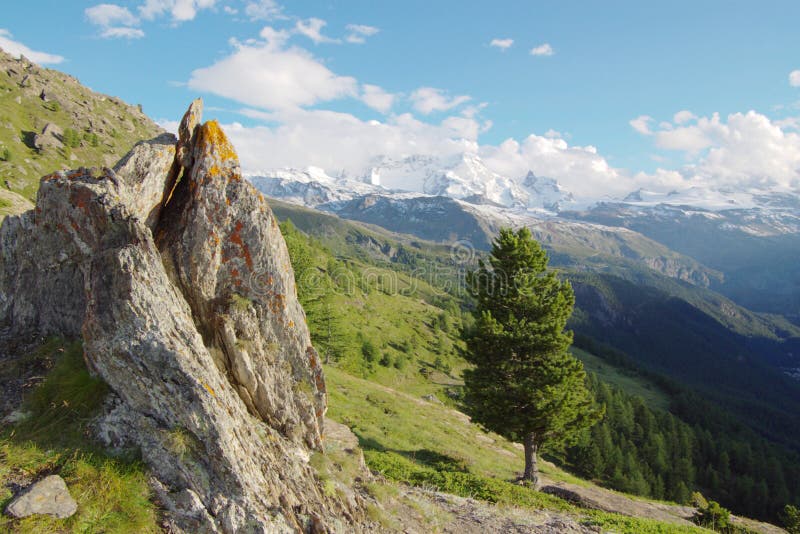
[
  {"x": 386, "y": 360},
  {"x": 369, "y": 351},
  {"x": 5, "y": 154},
  {"x": 71, "y": 138},
  {"x": 92, "y": 139},
  {"x": 714, "y": 517},
  {"x": 791, "y": 519}
]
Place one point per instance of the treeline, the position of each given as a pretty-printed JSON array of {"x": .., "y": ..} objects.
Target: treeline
[{"x": 654, "y": 453}]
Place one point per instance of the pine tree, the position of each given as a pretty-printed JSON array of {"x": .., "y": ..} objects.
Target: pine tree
[{"x": 525, "y": 384}]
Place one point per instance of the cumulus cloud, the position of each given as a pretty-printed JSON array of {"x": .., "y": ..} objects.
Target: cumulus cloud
[
  {"x": 337, "y": 141},
  {"x": 794, "y": 78},
  {"x": 15, "y": 48},
  {"x": 263, "y": 10},
  {"x": 179, "y": 10},
  {"x": 579, "y": 168},
  {"x": 641, "y": 124},
  {"x": 108, "y": 15},
  {"x": 312, "y": 28},
  {"x": 745, "y": 149},
  {"x": 502, "y": 44},
  {"x": 429, "y": 99},
  {"x": 543, "y": 49},
  {"x": 265, "y": 75},
  {"x": 114, "y": 21},
  {"x": 359, "y": 33},
  {"x": 376, "y": 98},
  {"x": 683, "y": 116}
]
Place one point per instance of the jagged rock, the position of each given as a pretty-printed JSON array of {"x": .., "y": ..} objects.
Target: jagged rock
[
  {"x": 174, "y": 271},
  {"x": 48, "y": 496},
  {"x": 186, "y": 129}
]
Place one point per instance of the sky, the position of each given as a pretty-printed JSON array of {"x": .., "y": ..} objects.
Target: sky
[{"x": 606, "y": 97}]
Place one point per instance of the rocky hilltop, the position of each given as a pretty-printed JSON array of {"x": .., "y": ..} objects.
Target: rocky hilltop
[{"x": 172, "y": 269}]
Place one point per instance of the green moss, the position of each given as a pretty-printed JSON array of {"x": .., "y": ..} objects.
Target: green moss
[{"x": 239, "y": 302}]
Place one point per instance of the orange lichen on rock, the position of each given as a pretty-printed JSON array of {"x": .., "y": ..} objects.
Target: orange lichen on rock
[
  {"x": 80, "y": 198},
  {"x": 212, "y": 138},
  {"x": 236, "y": 237}
]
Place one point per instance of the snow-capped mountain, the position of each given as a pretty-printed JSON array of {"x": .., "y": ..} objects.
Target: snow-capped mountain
[
  {"x": 464, "y": 177},
  {"x": 546, "y": 193},
  {"x": 311, "y": 187}
]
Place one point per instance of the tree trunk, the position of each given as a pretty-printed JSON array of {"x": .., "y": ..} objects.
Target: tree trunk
[{"x": 531, "y": 468}]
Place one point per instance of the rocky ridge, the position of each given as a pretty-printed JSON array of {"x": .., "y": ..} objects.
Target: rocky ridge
[{"x": 173, "y": 270}]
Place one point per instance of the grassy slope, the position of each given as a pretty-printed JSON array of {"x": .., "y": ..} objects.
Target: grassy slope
[
  {"x": 112, "y": 493},
  {"x": 623, "y": 379},
  {"x": 426, "y": 443},
  {"x": 118, "y": 126}
]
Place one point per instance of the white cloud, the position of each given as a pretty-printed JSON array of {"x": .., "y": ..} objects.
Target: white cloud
[
  {"x": 312, "y": 28},
  {"x": 794, "y": 78},
  {"x": 15, "y": 48},
  {"x": 115, "y": 22},
  {"x": 122, "y": 32},
  {"x": 691, "y": 139},
  {"x": 337, "y": 141},
  {"x": 579, "y": 169},
  {"x": 641, "y": 124},
  {"x": 264, "y": 75},
  {"x": 543, "y": 49},
  {"x": 230, "y": 10},
  {"x": 179, "y": 10},
  {"x": 108, "y": 15},
  {"x": 263, "y": 10},
  {"x": 683, "y": 116},
  {"x": 744, "y": 150},
  {"x": 502, "y": 44},
  {"x": 359, "y": 33},
  {"x": 429, "y": 99},
  {"x": 376, "y": 98}
]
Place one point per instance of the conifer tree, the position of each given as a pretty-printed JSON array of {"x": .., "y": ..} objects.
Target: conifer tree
[{"x": 525, "y": 385}]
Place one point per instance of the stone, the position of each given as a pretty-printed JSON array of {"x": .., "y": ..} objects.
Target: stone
[
  {"x": 174, "y": 272},
  {"x": 49, "y": 496},
  {"x": 50, "y": 137}
]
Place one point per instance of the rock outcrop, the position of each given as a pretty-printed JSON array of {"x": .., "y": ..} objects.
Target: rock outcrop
[{"x": 173, "y": 270}]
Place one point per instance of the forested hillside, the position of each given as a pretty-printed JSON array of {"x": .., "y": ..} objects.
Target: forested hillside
[{"x": 371, "y": 317}]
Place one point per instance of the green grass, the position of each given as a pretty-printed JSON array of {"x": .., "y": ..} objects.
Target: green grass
[
  {"x": 627, "y": 381},
  {"x": 26, "y": 164},
  {"x": 112, "y": 493}
]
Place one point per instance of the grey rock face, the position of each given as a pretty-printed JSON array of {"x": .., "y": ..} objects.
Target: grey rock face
[
  {"x": 48, "y": 496},
  {"x": 51, "y": 137},
  {"x": 174, "y": 271}
]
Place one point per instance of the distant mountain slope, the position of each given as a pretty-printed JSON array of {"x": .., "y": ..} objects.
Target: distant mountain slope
[
  {"x": 80, "y": 127},
  {"x": 756, "y": 248},
  {"x": 690, "y": 333}
]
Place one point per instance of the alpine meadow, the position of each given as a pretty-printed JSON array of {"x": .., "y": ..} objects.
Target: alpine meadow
[{"x": 399, "y": 267}]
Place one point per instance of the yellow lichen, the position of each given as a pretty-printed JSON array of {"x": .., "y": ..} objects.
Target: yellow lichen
[{"x": 209, "y": 389}]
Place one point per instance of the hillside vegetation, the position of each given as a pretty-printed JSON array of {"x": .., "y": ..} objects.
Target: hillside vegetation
[
  {"x": 86, "y": 128},
  {"x": 650, "y": 443}
]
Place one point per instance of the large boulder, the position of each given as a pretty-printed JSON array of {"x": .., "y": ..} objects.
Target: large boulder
[{"x": 173, "y": 270}]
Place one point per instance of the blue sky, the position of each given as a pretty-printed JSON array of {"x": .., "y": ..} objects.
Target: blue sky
[{"x": 428, "y": 72}]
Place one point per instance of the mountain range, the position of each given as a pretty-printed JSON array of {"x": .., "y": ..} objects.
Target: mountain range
[{"x": 755, "y": 234}]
